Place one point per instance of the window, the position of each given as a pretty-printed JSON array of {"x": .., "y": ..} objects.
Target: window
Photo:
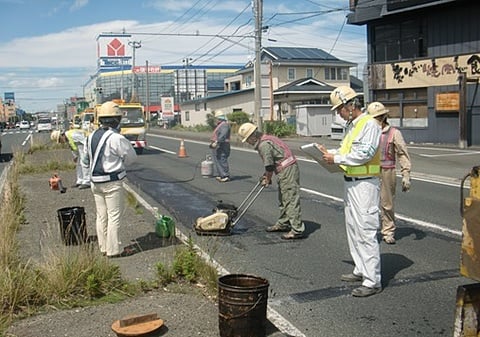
[
  {"x": 399, "y": 40},
  {"x": 407, "y": 107},
  {"x": 333, "y": 74},
  {"x": 187, "y": 116},
  {"x": 248, "y": 81},
  {"x": 309, "y": 72},
  {"x": 291, "y": 74}
]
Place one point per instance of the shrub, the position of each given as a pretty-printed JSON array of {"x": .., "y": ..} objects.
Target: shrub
[{"x": 279, "y": 128}]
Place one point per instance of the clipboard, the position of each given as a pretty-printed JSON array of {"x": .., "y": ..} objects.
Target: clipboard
[{"x": 314, "y": 152}]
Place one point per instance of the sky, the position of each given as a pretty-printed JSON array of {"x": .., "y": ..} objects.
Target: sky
[{"x": 48, "y": 47}]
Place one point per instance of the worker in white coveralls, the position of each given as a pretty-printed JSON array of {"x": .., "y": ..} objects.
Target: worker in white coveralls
[
  {"x": 392, "y": 149},
  {"x": 359, "y": 158},
  {"x": 75, "y": 138},
  {"x": 108, "y": 154}
]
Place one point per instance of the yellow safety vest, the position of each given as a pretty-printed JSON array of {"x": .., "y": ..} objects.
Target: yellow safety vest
[{"x": 370, "y": 168}]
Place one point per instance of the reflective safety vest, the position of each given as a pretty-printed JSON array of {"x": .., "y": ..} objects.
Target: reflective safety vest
[
  {"x": 370, "y": 168},
  {"x": 288, "y": 157},
  {"x": 96, "y": 151}
]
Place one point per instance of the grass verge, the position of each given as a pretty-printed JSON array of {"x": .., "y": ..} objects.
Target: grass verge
[{"x": 73, "y": 278}]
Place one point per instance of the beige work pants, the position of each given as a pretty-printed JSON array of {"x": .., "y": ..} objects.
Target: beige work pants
[
  {"x": 110, "y": 204},
  {"x": 387, "y": 199}
]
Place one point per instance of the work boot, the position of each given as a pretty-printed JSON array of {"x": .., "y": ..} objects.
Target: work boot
[
  {"x": 363, "y": 291},
  {"x": 389, "y": 239},
  {"x": 277, "y": 228},
  {"x": 292, "y": 236}
]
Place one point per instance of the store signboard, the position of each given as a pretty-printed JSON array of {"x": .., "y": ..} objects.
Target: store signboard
[
  {"x": 447, "y": 102},
  {"x": 167, "y": 106},
  {"x": 113, "y": 50},
  {"x": 143, "y": 69}
]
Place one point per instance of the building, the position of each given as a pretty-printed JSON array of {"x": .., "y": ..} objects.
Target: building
[
  {"x": 290, "y": 77},
  {"x": 118, "y": 77},
  {"x": 424, "y": 65}
]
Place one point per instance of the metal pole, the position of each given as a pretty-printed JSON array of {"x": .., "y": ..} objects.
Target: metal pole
[
  {"x": 121, "y": 82},
  {"x": 147, "y": 94},
  {"x": 462, "y": 89},
  {"x": 257, "y": 10}
]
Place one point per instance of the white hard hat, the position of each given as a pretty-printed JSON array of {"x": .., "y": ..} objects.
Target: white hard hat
[
  {"x": 376, "y": 109},
  {"x": 341, "y": 95},
  {"x": 246, "y": 130},
  {"x": 219, "y": 114}
]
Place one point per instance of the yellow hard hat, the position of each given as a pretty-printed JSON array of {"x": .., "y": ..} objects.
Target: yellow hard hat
[
  {"x": 55, "y": 135},
  {"x": 109, "y": 109},
  {"x": 341, "y": 95},
  {"x": 246, "y": 130},
  {"x": 376, "y": 109}
]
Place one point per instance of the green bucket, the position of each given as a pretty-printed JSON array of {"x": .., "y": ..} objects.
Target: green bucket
[{"x": 165, "y": 227}]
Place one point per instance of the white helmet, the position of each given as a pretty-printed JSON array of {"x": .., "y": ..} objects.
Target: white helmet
[
  {"x": 341, "y": 95},
  {"x": 376, "y": 109},
  {"x": 246, "y": 130},
  {"x": 219, "y": 114}
]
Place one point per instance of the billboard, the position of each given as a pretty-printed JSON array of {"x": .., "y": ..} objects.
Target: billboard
[
  {"x": 167, "y": 106},
  {"x": 113, "y": 50},
  {"x": 143, "y": 69},
  {"x": 9, "y": 96}
]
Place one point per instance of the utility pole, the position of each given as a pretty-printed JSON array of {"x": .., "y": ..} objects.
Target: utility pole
[
  {"x": 135, "y": 45},
  {"x": 462, "y": 89},
  {"x": 187, "y": 63},
  {"x": 147, "y": 103},
  {"x": 258, "y": 15}
]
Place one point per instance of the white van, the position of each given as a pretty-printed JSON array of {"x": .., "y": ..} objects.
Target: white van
[{"x": 44, "y": 124}]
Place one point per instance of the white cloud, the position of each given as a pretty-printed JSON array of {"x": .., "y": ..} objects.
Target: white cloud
[{"x": 78, "y": 4}]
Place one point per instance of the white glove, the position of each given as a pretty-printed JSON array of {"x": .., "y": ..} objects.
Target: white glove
[
  {"x": 213, "y": 145},
  {"x": 406, "y": 183}
]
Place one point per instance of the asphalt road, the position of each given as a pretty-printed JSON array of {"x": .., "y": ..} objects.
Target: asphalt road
[{"x": 306, "y": 298}]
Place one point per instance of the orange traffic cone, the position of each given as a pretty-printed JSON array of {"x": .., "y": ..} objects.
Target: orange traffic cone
[{"x": 182, "y": 153}]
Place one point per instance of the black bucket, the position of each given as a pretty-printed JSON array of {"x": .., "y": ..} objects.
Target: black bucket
[
  {"x": 73, "y": 227},
  {"x": 242, "y": 305}
]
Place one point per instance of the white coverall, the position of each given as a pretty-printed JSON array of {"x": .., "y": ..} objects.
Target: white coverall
[
  {"x": 76, "y": 140},
  {"x": 362, "y": 198},
  {"x": 107, "y": 166}
]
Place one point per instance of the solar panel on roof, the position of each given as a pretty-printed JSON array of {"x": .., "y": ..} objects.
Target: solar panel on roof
[{"x": 301, "y": 53}]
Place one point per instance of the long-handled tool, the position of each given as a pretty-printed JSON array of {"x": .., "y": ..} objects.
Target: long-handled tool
[{"x": 226, "y": 216}]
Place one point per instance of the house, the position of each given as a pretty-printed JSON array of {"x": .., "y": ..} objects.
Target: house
[{"x": 290, "y": 77}]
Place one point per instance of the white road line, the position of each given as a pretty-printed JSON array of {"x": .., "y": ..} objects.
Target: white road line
[
  {"x": 448, "y": 154},
  {"x": 278, "y": 320},
  {"x": 160, "y": 149},
  {"x": 419, "y": 223}
]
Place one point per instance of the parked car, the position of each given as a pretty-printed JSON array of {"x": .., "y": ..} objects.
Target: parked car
[{"x": 24, "y": 125}]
